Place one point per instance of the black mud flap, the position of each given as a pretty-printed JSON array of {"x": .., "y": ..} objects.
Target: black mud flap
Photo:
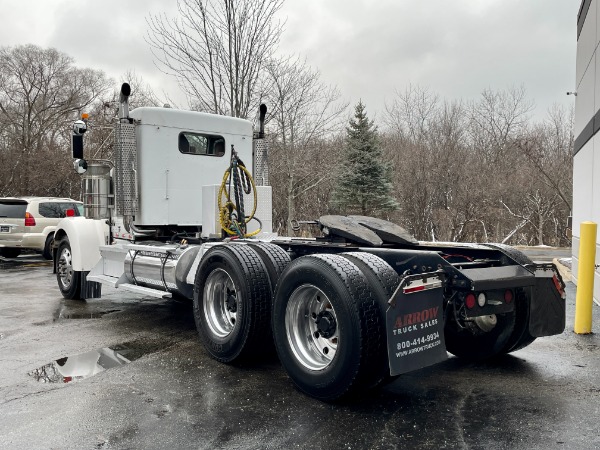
[
  {"x": 89, "y": 289},
  {"x": 547, "y": 310},
  {"x": 415, "y": 323}
]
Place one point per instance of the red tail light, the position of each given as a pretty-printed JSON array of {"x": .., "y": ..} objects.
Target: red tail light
[
  {"x": 470, "y": 301},
  {"x": 29, "y": 220},
  {"x": 70, "y": 213},
  {"x": 508, "y": 296},
  {"x": 558, "y": 286}
]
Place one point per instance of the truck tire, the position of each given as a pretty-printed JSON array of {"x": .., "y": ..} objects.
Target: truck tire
[
  {"x": 383, "y": 281},
  {"x": 69, "y": 280},
  {"x": 274, "y": 258},
  {"x": 475, "y": 344},
  {"x": 232, "y": 303},
  {"x": 47, "y": 252},
  {"x": 10, "y": 252},
  {"x": 327, "y": 327},
  {"x": 521, "y": 337},
  {"x": 518, "y": 256}
]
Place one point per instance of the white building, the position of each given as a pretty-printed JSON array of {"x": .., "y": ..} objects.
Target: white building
[{"x": 586, "y": 160}]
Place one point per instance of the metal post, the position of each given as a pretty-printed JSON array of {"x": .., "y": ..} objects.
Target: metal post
[{"x": 585, "y": 278}]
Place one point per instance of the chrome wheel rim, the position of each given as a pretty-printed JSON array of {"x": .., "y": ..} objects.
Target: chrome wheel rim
[
  {"x": 220, "y": 302},
  {"x": 311, "y": 327},
  {"x": 65, "y": 268}
]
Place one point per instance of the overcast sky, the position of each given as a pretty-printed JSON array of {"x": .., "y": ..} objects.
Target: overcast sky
[{"x": 368, "y": 48}]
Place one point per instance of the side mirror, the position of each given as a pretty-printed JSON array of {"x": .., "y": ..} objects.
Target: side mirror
[
  {"x": 80, "y": 166},
  {"x": 77, "y": 146},
  {"x": 79, "y": 127}
]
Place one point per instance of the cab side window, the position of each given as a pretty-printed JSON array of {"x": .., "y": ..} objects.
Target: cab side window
[{"x": 201, "y": 144}]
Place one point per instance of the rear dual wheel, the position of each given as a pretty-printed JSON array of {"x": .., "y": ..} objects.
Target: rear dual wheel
[
  {"x": 488, "y": 336},
  {"x": 327, "y": 313},
  {"x": 232, "y": 303},
  {"x": 328, "y": 325},
  {"x": 482, "y": 338}
]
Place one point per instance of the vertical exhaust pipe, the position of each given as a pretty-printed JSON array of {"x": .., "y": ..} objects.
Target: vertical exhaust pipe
[
  {"x": 261, "y": 120},
  {"x": 124, "y": 102}
]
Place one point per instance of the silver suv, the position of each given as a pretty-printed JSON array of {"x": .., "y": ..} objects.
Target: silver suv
[{"x": 29, "y": 223}]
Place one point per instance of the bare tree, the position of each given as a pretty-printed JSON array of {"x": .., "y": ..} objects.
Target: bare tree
[
  {"x": 497, "y": 118},
  {"x": 410, "y": 113},
  {"x": 549, "y": 148},
  {"x": 102, "y": 115},
  {"x": 216, "y": 50},
  {"x": 41, "y": 91},
  {"x": 480, "y": 171},
  {"x": 305, "y": 114}
]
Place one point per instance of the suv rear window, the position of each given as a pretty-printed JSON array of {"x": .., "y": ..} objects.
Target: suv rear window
[
  {"x": 13, "y": 210},
  {"x": 56, "y": 210}
]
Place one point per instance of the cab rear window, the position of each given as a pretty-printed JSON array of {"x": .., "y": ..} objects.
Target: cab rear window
[
  {"x": 56, "y": 210},
  {"x": 201, "y": 144},
  {"x": 13, "y": 210}
]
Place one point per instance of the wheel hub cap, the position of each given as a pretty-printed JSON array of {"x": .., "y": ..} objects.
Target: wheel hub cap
[
  {"x": 326, "y": 325},
  {"x": 65, "y": 268},
  {"x": 311, "y": 327},
  {"x": 220, "y": 303}
]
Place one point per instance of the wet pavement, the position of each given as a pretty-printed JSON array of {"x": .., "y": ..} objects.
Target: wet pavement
[{"x": 140, "y": 379}]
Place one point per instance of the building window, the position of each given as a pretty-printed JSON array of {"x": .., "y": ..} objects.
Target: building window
[{"x": 201, "y": 144}]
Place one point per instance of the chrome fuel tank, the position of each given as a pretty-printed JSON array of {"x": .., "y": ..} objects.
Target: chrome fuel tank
[{"x": 161, "y": 266}]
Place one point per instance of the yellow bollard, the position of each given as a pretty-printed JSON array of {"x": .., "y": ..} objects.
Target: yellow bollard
[{"x": 585, "y": 278}]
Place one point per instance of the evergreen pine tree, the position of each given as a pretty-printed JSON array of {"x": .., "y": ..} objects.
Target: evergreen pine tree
[{"x": 364, "y": 185}]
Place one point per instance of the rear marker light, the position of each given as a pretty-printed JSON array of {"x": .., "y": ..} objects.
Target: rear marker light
[
  {"x": 508, "y": 296},
  {"x": 422, "y": 287},
  {"x": 558, "y": 286},
  {"x": 409, "y": 290},
  {"x": 70, "y": 213},
  {"x": 481, "y": 300},
  {"x": 29, "y": 220},
  {"x": 470, "y": 301}
]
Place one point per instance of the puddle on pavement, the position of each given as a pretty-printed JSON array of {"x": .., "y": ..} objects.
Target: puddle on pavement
[
  {"x": 18, "y": 263},
  {"x": 78, "y": 310},
  {"x": 85, "y": 365},
  {"x": 65, "y": 314}
]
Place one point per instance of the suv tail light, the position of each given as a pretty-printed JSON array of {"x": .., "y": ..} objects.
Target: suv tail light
[
  {"x": 70, "y": 212},
  {"x": 29, "y": 220}
]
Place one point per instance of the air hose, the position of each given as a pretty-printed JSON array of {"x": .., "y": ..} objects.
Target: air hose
[{"x": 231, "y": 211}]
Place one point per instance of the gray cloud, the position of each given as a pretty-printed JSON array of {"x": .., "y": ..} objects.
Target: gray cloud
[{"x": 367, "y": 48}]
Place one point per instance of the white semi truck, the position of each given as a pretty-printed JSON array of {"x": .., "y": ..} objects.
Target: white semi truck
[{"x": 173, "y": 214}]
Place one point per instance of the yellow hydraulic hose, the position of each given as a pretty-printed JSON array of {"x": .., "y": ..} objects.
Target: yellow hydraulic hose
[{"x": 231, "y": 226}]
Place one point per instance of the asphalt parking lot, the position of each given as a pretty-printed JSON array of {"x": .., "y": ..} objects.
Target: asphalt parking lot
[{"x": 172, "y": 395}]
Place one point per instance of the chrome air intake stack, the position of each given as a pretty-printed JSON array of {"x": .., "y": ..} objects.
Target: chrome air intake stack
[
  {"x": 260, "y": 150},
  {"x": 125, "y": 161}
]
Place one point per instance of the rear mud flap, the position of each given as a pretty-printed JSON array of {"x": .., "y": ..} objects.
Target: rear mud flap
[
  {"x": 415, "y": 324},
  {"x": 547, "y": 310}
]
